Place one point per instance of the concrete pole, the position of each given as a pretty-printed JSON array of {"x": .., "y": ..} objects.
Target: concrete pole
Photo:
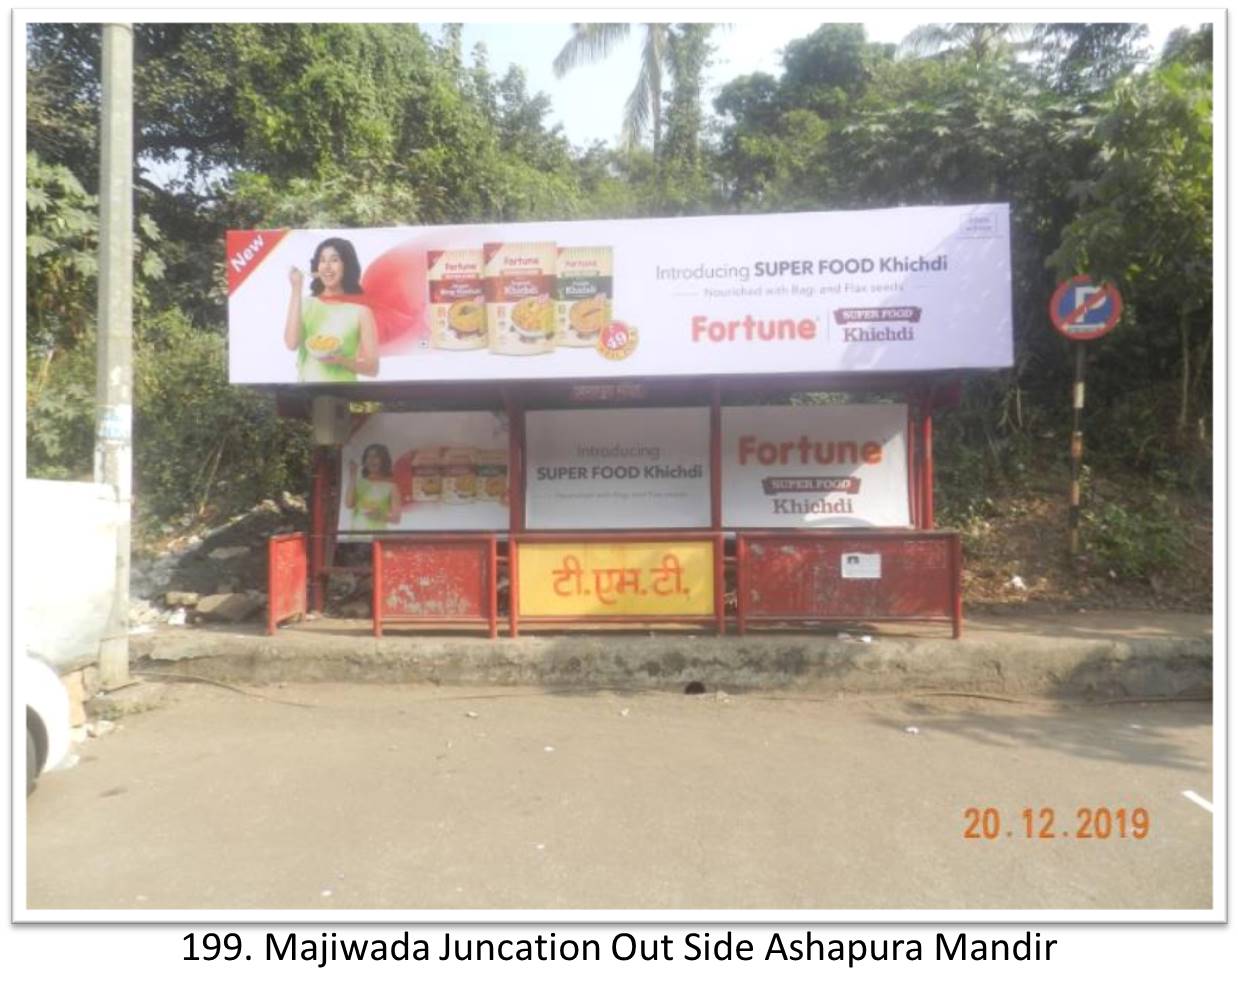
[{"x": 114, "y": 375}]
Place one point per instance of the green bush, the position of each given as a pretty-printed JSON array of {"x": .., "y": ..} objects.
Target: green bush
[
  {"x": 1134, "y": 542},
  {"x": 200, "y": 444},
  {"x": 60, "y": 412},
  {"x": 198, "y": 440}
]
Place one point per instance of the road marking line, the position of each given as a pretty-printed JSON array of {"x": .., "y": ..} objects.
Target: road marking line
[{"x": 1199, "y": 800}]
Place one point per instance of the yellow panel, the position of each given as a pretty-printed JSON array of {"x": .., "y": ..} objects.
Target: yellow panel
[{"x": 617, "y": 579}]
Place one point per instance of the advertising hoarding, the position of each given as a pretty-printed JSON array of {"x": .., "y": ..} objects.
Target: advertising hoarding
[
  {"x": 805, "y": 467},
  {"x": 442, "y": 471},
  {"x": 617, "y": 468},
  {"x": 886, "y": 291}
]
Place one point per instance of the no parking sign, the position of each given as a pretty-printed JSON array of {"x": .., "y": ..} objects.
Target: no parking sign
[{"x": 1082, "y": 309}]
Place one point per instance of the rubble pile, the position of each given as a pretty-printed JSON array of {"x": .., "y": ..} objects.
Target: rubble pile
[{"x": 216, "y": 575}]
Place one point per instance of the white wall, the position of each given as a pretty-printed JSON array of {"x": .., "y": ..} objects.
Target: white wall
[{"x": 67, "y": 536}]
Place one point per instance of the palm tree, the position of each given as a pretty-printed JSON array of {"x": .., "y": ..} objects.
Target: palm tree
[
  {"x": 593, "y": 42},
  {"x": 980, "y": 41}
]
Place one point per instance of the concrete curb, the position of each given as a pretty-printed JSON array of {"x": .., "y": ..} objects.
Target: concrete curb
[{"x": 1009, "y": 664}]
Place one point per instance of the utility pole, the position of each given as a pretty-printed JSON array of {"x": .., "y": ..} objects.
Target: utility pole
[{"x": 114, "y": 373}]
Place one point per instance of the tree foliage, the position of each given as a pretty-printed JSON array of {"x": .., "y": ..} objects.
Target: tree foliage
[
  {"x": 1105, "y": 159},
  {"x": 643, "y": 109},
  {"x": 1144, "y": 220}
]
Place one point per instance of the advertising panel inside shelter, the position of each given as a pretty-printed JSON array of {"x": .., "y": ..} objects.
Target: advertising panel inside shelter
[
  {"x": 804, "y": 467},
  {"x": 425, "y": 471},
  {"x": 617, "y": 469},
  {"x": 885, "y": 291}
]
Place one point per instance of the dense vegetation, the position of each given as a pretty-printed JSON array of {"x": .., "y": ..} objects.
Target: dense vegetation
[{"x": 1103, "y": 150}]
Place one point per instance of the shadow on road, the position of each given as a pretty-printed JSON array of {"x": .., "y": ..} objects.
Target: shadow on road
[{"x": 1131, "y": 734}]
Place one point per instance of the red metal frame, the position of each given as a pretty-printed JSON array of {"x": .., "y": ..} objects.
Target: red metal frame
[
  {"x": 917, "y": 586},
  {"x": 319, "y": 485},
  {"x": 715, "y": 456},
  {"x": 376, "y": 588},
  {"x": 920, "y": 498},
  {"x": 611, "y": 538},
  {"x": 741, "y": 587},
  {"x": 287, "y": 576},
  {"x": 513, "y": 587},
  {"x": 488, "y": 583},
  {"x": 515, "y": 462},
  {"x": 925, "y": 446},
  {"x": 913, "y": 465}
]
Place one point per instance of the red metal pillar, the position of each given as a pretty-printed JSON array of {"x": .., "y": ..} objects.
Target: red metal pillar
[
  {"x": 513, "y": 589},
  {"x": 515, "y": 462},
  {"x": 494, "y": 586},
  {"x": 741, "y": 584},
  {"x": 926, "y": 445},
  {"x": 913, "y": 460},
  {"x": 515, "y": 499},
  {"x": 318, "y": 529},
  {"x": 715, "y": 456}
]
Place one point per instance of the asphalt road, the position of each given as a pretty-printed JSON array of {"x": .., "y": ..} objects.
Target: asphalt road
[{"x": 407, "y": 797}]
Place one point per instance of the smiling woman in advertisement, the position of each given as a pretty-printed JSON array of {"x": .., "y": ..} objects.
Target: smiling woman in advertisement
[
  {"x": 333, "y": 332},
  {"x": 373, "y": 499}
]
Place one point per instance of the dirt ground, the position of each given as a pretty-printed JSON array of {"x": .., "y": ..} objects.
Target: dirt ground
[
  {"x": 332, "y": 797},
  {"x": 1023, "y": 534}
]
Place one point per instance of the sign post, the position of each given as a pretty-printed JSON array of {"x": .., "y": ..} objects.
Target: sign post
[{"x": 1081, "y": 309}]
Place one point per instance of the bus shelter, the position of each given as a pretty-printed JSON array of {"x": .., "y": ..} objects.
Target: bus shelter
[{"x": 714, "y": 423}]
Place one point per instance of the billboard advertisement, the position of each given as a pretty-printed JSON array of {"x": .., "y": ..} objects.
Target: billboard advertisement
[
  {"x": 805, "y": 467},
  {"x": 885, "y": 291},
  {"x": 441, "y": 471},
  {"x": 617, "y": 469}
]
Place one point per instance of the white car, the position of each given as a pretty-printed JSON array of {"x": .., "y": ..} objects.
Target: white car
[{"x": 47, "y": 717}]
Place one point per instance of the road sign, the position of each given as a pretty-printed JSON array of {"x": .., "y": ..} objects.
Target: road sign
[{"x": 1082, "y": 309}]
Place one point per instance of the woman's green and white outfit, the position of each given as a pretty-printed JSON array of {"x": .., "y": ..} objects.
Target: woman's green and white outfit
[
  {"x": 372, "y": 504},
  {"x": 341, "y": 319}
]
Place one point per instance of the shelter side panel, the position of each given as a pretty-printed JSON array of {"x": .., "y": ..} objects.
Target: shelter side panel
[
  {"x": 837, "y": 576},
  {"x": 288, "y": 570},
  {"x": 439, "y": 580}
]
